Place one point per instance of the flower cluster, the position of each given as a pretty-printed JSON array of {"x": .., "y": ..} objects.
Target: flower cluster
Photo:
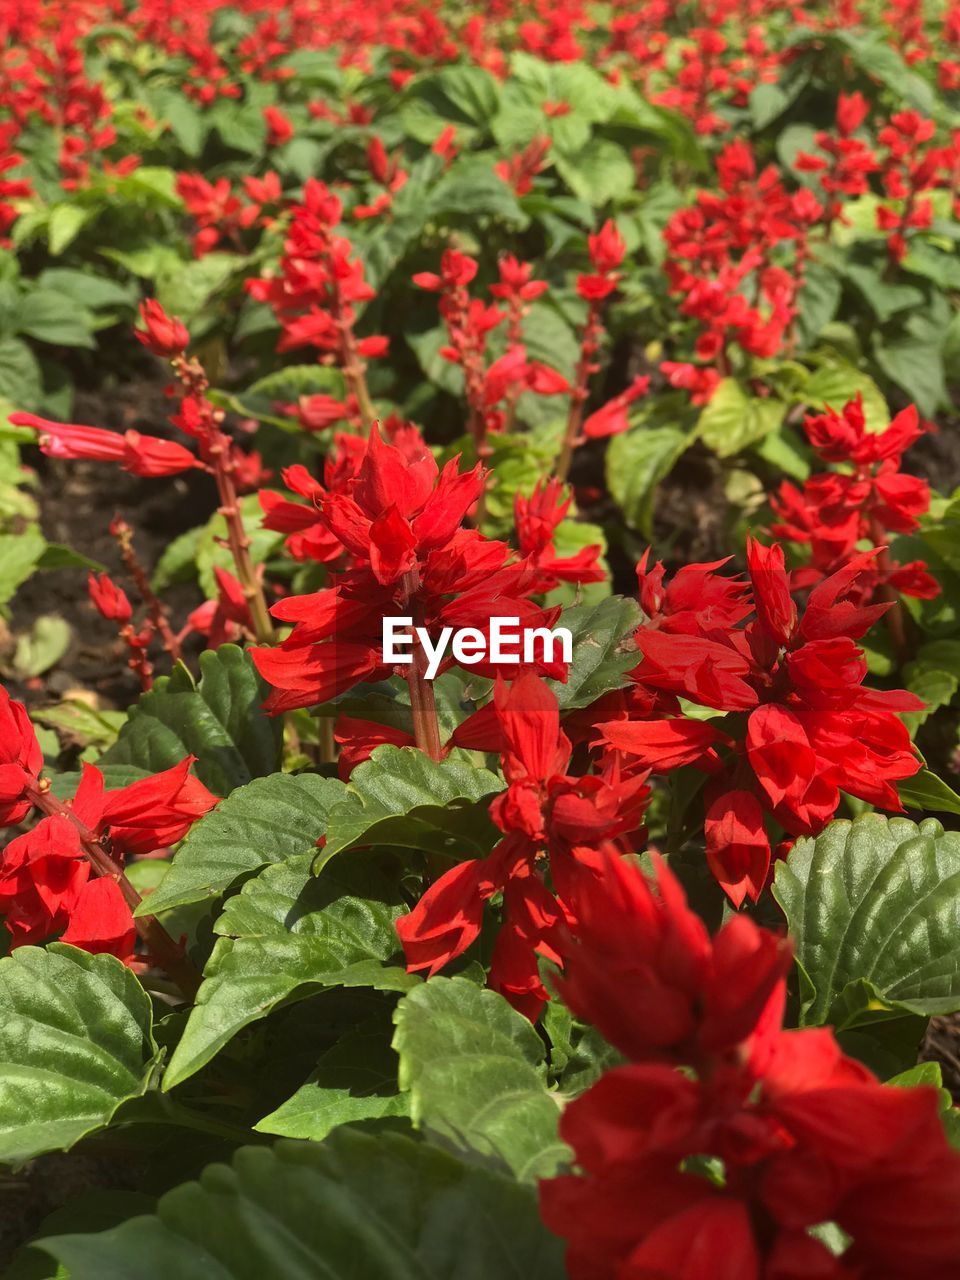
[
  {"x": 836, "y": 511},
  {"x": 64, "y": 876},
  {"x": 799, "y": 725},
  {"x": 469, "y": 322},
  {"x": 317, "y": 292},
  {"x": 398, "y": 518},
  {"x": 726, "y": 1167},
  {"x": 736, "y": 260},
  {"x": 551, "y": 823}
]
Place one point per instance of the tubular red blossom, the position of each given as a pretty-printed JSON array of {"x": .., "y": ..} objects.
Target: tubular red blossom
[
  {"x": 279, "y": 128},
  {"x": 161, "y": 334},
  {"x": 399, "y": 522},
  {"x": 21, "y": 760},
  {"x": 141, "y": 455},
  {"x": 110, "y": 600},
  {"x": 542, "y": 810},
  {"x": 153, "y": 813}
]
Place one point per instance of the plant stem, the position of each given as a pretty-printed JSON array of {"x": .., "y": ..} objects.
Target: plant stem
[
  {"x": 239, "y": 542},
  {"x": 162, "y": 948},
  {"x": 423, "y": 704},
  {"x": 586, "y": 366},
  {"x": 894, "y": 615},
  {"x": 155, "y": 607}
]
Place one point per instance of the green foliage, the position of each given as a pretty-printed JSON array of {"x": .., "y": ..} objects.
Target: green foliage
[
  {"x": 372, "y": 1208},
  {"x": 871, "y": 906},
  {"x": 286, "y": 935},
  {"x": 401, "y": 797},
  {"x": 477, "y": 1078},
  {"x": 76, "y": 1042},
  {"x": 218, "y": 719}
]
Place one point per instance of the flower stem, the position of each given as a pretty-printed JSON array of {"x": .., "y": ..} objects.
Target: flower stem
[
  {"x": 240, "y": 546},
  {"x": 155, "y": 607},
  {"x": 586, "y": 366},
  {"x": 162, "y": 948},
  {"x": 423, "y": 705}
]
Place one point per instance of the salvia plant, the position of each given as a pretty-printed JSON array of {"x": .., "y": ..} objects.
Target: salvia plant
[{"x": 480, "y": 640}]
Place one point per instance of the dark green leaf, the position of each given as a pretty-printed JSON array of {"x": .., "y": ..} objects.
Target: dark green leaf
[
  {"x": 477, "y": 1079},
  {"x": 873, "y": 908},
  {"x": 75, "y": 1042},
  {"x": 286, "y": 935},
  {"x": 219, "y": 720},
  {"x": 603, "y": 650},
  {"x": 268, "y": 820},
  {"x": 355, "y": 1080},
  {"x": 401, "y": 797},
  {"x": 353, "y": 1208}
]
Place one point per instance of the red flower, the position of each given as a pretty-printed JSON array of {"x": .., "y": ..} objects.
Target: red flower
[
  {"x": 613, "y": 418},
  {"x": 140, "y": 455},
  {"x": 110, "y": 600},
  {"x": 101, "y": 921},
  {"x": 811, "y": 729},
  {"x": 398, "y": 520},
  {"x": 225, "y": 619},
  {"x": 837, "y": 511},
  {"x": 804, "y": 1135},
  {"x": 162, "y": 334},
  {"x": 542, "y": 809},
  {"x": 153, "y": 813},
  {"x": 536, "y": 519},
  {"x": 279, "y": 128},
  {"x": 21, "y": 760}
]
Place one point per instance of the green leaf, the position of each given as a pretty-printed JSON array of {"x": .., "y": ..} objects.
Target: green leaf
[
  {"x": 57, "y": 319},
  {"x": 355, "y": 1080},
  {"x": 886, "y": 297},
  {"x": 76, "y": 1042},
  {"x": 477, "y": 1079},
  {"x": 354, "y": 1208},
  {"x": 636, "y": 462},
  {"x": 20, "y": 381},
  {"x": 928, "y": 793},
  {"x": 732, "y": 420},
  {"x": 187, "y": 287},
  {"x": 403, "y": 798},
  {"x": 872, "y": 907},
  {"x": 187, "y": 123},
  {"x": 264, "y": 397},
  {"x": 603, "y": 650},
  {"x": 58, "y": 556},
  {"x": 932, "y": 676},
  {"x": 219, "y": 720},
  {"x": 818, "y": 301},
  {"x": 832, "y": 385},
  {"x": 464, "y": 95},
  {"x": 472, "y": 187},
  {"x": 880, "y": 60},
  {"x": 65, "y": 223},
  {"x": 286, "y": 935},
  {"x": 916, "y": 365},
  {"x": 602, "y": 171},
  {"x": 81, "y": 724},
  {"x": 19, "y": 556},
  {"x": 268, "y": 820},
  {"x": 42, "y": 646}
]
